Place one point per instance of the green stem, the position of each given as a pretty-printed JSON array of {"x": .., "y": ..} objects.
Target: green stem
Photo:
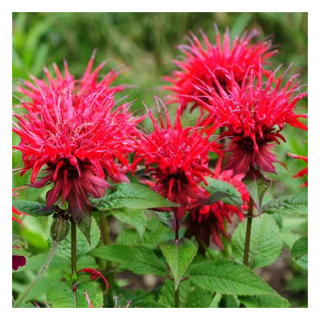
[
  {"x": 176, "y": 298},
  {"x": 105, "y": 235},
  {"x": 248, "y": 234},
  {"x": 73, "y": 250},
  {"x": 41, "y": 272}
]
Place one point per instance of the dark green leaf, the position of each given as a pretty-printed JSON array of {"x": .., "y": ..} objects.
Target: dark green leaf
[
  {"x": 179, "y": 256},
  {"x": 35, "y": 209},
  {"x": 297, "y": 204},
  {"x": 138, "y": 259},
  {"x": 300, "y": 252},
  {"x": 257, "y": 185},
  {"x": 265, "y": 242},
  {"x": 228, "y": 277},
  {"x": 190, "y": 295},
  {"x": 134, "y": 217},
  {"x": 131, "y": 195},
  {"x": 264, "y": 301},
  {"x": 85, "y": 226},
  {"x": 220, "y": 190}
]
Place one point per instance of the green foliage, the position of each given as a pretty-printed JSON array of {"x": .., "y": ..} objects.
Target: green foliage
[
  {"x": 190, "y": 295},
  {"x": 83, "y": 247},
  {"x": 134, "y": 217},
  {"x": 178, "y": 255},
  {"x": 299, "y": 252},
  {"x": 132, "y": 196},
  {"x": 35, "y": 209},
  {"x": 257, "y": 186},
  {"x": 265, "y": 242},
  {"x": 297, "y": 204},
  {"x": 139, "y": 260},
  {"x": 228, "y": 277},
  {"x": 20, "y": 252},
  {"x": 61, "y": 295},
  {"x": 220, "y": 190},
  {"x": 264, "y": 301}
]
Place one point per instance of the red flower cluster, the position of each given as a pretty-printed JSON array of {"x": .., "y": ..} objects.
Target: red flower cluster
[
  {"x": 304, "y": 171},
  {"x": 200, "y": 62},
  {"x": 208, "y": 221},
  {"x": 79, "y": 143},
  {"x": 177, "y": 159},
  {"x": 66, "y": 91},
  {"x": 250, "y": 112}
]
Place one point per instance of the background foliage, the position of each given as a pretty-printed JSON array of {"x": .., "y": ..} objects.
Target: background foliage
[{"x": 144, "y": 45}]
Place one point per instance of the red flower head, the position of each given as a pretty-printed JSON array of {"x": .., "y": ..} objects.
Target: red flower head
[
  {"x": 208, "y": 221},
  {"x": 177, "y": 159},
  {"x": 66, "y": 91},
  {"x": 76, "y": 144},
  {"x": 250, "y": 112},
  {"x": 213, "y": 57},
  {"x": 304, "y": 171}
]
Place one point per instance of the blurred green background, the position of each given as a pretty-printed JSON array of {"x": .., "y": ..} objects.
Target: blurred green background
[{"x": 146, "y": 44}]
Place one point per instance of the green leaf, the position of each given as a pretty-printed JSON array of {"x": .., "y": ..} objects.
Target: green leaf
[
  {"x": 83, "y": 246},
  {"x": 149, "y": 304},
  {"x": 166, "y": 217},
  {"x": 257, "y": 185},
  {"x": 190, "y": 296},
  {"x": 228, "y": 277},
  {"x": 85, "y": 226},
  {"x": 264, "y": 301},
  {"x": 215, "y": 301},
  {"x": 133, "y": 196},
  {"x": 128, "y": 237},
  {"x": 19, "y": 241},
  {"x": 134, "y": 217},
  {"x": 138, "y": 259},
  {"x": 179, "y": 256},
  {"x": 265, "y": 242},
  {"x": 20, "y": 252},
  {"x": 35, "y": 209},
  {"x": 220, "y": 190},
  {"x": 299, "y": 252},
  {"x": 297, "y": 204},
  {"x": 61, "y": 295}
]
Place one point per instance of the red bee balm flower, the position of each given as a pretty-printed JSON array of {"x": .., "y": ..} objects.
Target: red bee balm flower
[
  {"x": 177, "y": 159},
  {"x": 250, "y": 112},
  {"x": 76, "y": 144},
  {"x": 304, "y": 171},
  {"x": 208, "y": 221},
  {"x": 200, "y": 59},
  {"x": 67, "y": 90}
]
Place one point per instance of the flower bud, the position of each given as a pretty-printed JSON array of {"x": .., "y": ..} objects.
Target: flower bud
[{"x": 59, "y": 228}]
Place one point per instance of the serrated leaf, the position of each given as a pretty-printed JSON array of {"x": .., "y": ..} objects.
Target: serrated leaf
[
  {"x": 265, "y": 242},
  {"x": 166, "y": 217},
  {"x": 215, "y": 301},
  {"x": 131, "y": 195},
  {"x": 264, "y": 302},
  {"x": 35, "y": 209},
  {"x": 134, "y": 217},
  {"x": 128, "y": 237},
  {"x": 178, "y": 255},
  {"x": 299, "y": 252},
  {"x": 190, "y": 296},
  {"x": 297, "y": 204},
  {"x": 223, "y": 191},
  {"x": 61, "y": 295},
  {"x": 138, "y": 259},
  {"x": 83, "y": 246},
  {"x": 257, "y": 185},
  {"x": 228, "y": 277}
]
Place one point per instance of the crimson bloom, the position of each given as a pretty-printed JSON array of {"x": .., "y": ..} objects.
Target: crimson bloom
[
  {"x": 66, "y": 91},
  {"x": 208, "y": 221},
  {"x": 177, "y": 159},
  {"x": 304, "y": 171},
  {"x": 254, "y": 113},
  {"x": 199, "y": 60},
  {"x": 79, "y": 145}
]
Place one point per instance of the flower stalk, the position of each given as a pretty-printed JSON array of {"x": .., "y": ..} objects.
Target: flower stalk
[
  {"x": 248, "y": 233},
  {"x": 73, "y": 251}
]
